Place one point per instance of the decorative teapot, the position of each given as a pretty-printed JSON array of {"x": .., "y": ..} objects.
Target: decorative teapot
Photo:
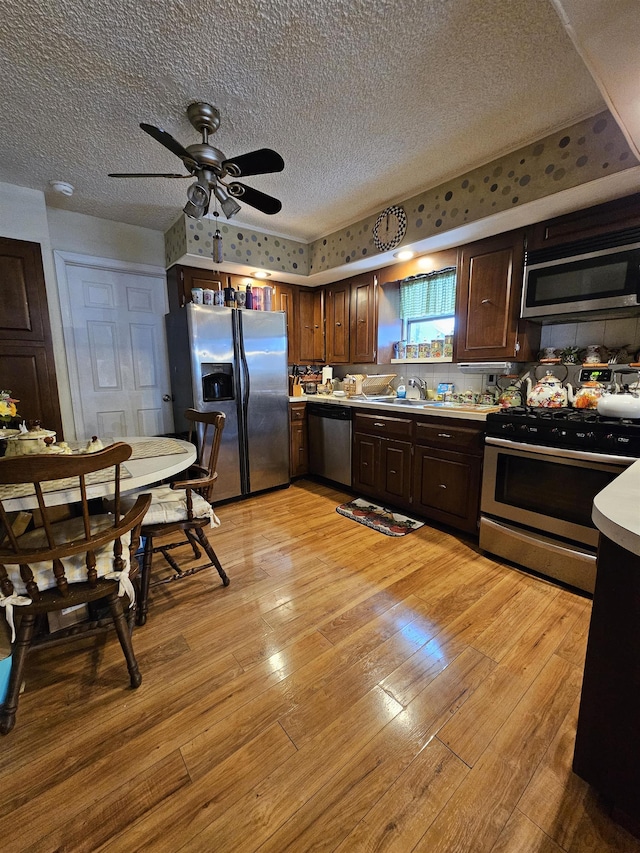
[
  {"x": 548, "y": 392},
  {"x": 512, "y": 394},
  {"x": 31, "y": 441},
  {"x": 621, "y": 405},
  {"x": 587, "y": 395}
]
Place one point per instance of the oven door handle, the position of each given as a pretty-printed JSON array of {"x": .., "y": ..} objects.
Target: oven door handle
[{"x": 560, "y": 452}]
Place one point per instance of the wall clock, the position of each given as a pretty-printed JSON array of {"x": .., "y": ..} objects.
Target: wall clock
[{"x": 389, "y": 228}]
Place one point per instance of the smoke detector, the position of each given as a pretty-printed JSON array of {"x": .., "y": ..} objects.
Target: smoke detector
[{"x": 61, "y": 187}]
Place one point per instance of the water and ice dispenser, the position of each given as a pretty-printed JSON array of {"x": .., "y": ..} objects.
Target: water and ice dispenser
[{"x": 217, "y": 382}]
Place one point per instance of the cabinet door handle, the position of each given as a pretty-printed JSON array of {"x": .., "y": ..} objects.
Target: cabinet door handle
[
  {"x": 443, "y": 435},
  {"x": 378, "y": 424},
  {"x": 485, "y": 302},
  {"x": 442, "y": 486},
  {"x": 393, "y": 472},
  {"x": 338, "y": 324}
]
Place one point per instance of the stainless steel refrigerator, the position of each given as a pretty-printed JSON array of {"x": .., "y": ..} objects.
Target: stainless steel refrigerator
[{"x": 235, "y": 361}]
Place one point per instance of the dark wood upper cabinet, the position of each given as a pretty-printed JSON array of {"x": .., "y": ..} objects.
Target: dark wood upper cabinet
[
  {"x": 590, "y": 222},
  {"x": 27, "y": 366},
  {"x": 310, "y": 325},
  {"x": 363, "y": 320},
  {"x": 337, "y": 300},
  {"x": 284, "y": 299},
  {"x": 181, "y": 280},
  {"x": 489, "y": 288}
]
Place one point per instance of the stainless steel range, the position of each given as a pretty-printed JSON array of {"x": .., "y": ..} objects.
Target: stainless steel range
[{"x": 542, "y": 469}]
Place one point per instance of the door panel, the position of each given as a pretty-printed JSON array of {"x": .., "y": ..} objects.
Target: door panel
[
  {"x": 337, "y": 324},
  {"x": 364, "y": 463},
  {"x": 395, "y": 467},
  {"x": 27, "y": 366},
  {"x": 265, "y": 350},
  {"x": 209, "y": 341},
  {"x": 116, "y": 349},
  {"x": 363, "y": 320}
]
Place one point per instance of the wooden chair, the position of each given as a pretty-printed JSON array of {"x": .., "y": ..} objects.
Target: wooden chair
[
  {"x": 184, "y": 507},
  {"x": 65, "y": 563}
]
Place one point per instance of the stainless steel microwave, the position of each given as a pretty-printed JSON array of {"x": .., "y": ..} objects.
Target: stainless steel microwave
[{"x": 596, "y": 277}]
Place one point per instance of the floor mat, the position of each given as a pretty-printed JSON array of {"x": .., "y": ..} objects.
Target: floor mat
[{"x": 377, "y": 517}]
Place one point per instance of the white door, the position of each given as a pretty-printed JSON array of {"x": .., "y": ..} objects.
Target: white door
[{"x": 115, "y": 342}]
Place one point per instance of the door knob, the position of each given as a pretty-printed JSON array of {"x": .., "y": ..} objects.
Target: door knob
[{"x": 167, "y": 398}]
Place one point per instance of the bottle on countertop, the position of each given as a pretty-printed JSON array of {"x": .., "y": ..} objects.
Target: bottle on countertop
[
  {"x": 401, "y": 390},
  {"x": 249, "y": 300},
  {"x": 229, "y": 295}
]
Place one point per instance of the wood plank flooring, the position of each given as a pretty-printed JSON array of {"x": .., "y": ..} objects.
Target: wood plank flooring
[{"x": 348, "y": 691}]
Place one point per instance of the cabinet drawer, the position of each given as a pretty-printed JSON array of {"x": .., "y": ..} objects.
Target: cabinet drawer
[
  {"x": 297, "y": 412},
  {"x": 466, "y": 439},
  {"x": 384, "y": 426}
]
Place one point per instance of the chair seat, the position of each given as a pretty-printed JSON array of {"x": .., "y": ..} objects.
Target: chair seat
[
  {"x": 170, "y": 505},
  {"x": 75, "y": 566},
  {"x": 180, "y": 512}
]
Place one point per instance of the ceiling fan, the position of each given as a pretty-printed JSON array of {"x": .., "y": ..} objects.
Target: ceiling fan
[{"x": 214, "y": 173}]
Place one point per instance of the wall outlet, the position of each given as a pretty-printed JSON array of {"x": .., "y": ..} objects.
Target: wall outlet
[{"x": 491, "y": 379}]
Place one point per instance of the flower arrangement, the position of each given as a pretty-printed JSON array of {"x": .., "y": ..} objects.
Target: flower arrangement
[{"x": 8, "y": 409}]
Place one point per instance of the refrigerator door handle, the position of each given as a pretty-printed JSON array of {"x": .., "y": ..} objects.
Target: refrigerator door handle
[
  {"x": 243, "y": 369},
  {"x": 244, "y": 366}
]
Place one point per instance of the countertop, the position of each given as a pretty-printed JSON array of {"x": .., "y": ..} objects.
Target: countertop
[
  {"x": 419, "y": 407},
  {"x": 616, "y": 510}
]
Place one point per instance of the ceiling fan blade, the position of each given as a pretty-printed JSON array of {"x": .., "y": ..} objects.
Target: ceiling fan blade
[
  {"x": 261, "y": 201},
  {"x": 258, "y": 162},
  {"x": 147, "y": 175},
  {"x": 169, "y": 142}
]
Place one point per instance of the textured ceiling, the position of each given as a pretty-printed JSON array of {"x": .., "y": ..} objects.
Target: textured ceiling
[{"x": 368, "y": 101}]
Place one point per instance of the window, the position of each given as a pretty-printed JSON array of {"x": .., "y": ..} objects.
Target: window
[{"x": 427, "y": 305}]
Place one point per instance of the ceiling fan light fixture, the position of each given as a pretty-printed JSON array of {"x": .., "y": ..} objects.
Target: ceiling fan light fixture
[
  {"x": 198, "y": 196},
  {"x": 229, "y": 205}
]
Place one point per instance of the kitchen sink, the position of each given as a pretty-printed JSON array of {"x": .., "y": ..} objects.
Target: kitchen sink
[{"x": 442, "y": 404}]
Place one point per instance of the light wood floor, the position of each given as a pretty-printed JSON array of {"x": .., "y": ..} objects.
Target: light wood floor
[{"x": 348, "y": 692}]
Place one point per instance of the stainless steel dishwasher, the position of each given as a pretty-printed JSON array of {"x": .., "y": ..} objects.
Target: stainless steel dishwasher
[{"x": 330, "y": 441}]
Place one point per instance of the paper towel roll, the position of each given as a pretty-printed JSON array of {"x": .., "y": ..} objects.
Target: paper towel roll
[{"x": 327, "y": 374}]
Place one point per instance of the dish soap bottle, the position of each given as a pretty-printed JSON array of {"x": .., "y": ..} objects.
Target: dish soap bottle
[{"x": 401, "y": 391}]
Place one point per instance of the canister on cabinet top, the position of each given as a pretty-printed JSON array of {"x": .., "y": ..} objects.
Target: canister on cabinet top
[{"x": 437, "y": 349}]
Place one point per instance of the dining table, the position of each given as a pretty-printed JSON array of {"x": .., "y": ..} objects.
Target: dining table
[{"x": 153, "y": 459}]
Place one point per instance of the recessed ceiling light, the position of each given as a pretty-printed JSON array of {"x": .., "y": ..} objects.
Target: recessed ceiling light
[
  {"x": 404, "y": 255},
  {"x": 261, "y": 274},
  {"x": 61, "y": 187}
]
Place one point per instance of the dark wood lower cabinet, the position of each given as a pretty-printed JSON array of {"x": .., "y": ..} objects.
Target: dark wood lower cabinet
[
  {"x": 607, "y": 750},
  {"x": 382, "y": 458},
  {"x": 446, "y": 487},
  {"x": 395, "y": 470},
  {"x": 298, "y": 440},
  {"x": 382, "y": 469},
  {"x": 365, "y": 468},
  {"x": 430, "y": 466}
]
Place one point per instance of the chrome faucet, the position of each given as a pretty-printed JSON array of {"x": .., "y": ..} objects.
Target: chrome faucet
[{"x": 420, "y": 384}]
